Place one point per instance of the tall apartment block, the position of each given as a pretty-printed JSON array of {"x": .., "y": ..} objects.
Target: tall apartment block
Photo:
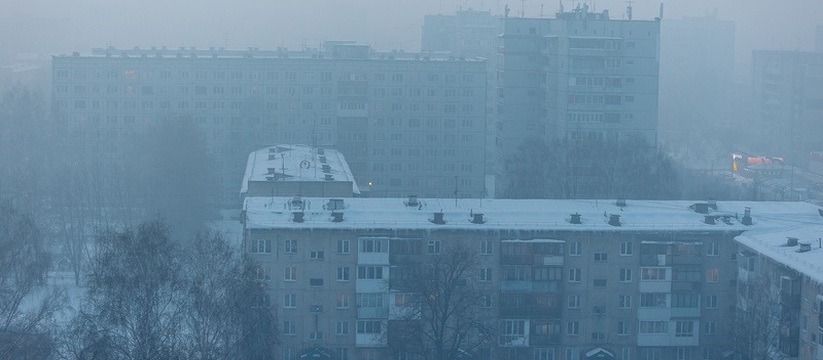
[
  {"x": 470, "y": 33},
  {"x": 787, "y": 88},
  {"x": 562, "y": 279},
  {"x": 406, "y": 123},
  {"x": 579, "y": 76}
]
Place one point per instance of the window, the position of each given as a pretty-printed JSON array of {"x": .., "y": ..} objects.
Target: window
[
  {"x": 371, "y": 300},
  {"x": 685, "y": 300},
  {"x": 625, "y": 301},
  {"x": 512, "y": 327},
  {"x": 290, "y": 247},
  {"x": 654, "y": 327},
  {"x": 712, "y": 250},
  {"x": 709, "y": 327},
  {"x": 342, "y": 328},
  {"x": 515, "y": 273},
  {"x": 574, "y": 275},
  {"x": 343, "y": 273},
  {"x": 572, "y": 353},
  {"x": 625, "y": 275},
  {"x": 600, "y": 256},
  {"x": 369, "y": 326},
  {"x": 545, "y": 273},
  {"x": 315, "y": 282},
  {"x": 543, "y": 354},
  {"x": 289, "y": 328},
  {"x": 486, "y": 274},
  {"x": 599, "y": 282},
  {"x": 711, "y": 301},
  {"x": 657, "y": 300},
  {"x": 343, "y": 246},
  {"x": 260, "y": 246},
  {"x": 684, "y": 328},
  {"x": 653, "y": 274},
  {"x": 625, "y": 248},
  {"x": 625, "y": 354},
  {"x": 622, "y": 328},
  {"x": 575, "y": 248},
  {"x": 684, "y": 354},
  {"x": 433, "y": 247},
  {"x": 317, "y": 335},
  {"x": 486, "y": 247},
  {"x": 573, "y": 302},
  {"x": 712, "y": 274},
  {"x": 290, "y": 301},
  {"x": 370, "y": 272},
  {"x": 486, "y": 301},
  {"x": 288, "y": 354},
  {"x": 317, "y": 255},
  {"x": 290, "y": 273},
  {"x": 373, "y": 245},
  {"x": 572, "y": 328},
  {"x": 342, "y": 301}
]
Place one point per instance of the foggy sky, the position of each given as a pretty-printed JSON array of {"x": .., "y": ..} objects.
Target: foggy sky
[{"x": 385, "y": 24}]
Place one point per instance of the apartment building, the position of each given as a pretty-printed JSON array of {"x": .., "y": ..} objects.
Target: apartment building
[
  {"x": 406, "y": 123},
  {"x": 780, "y": 290},
  {"x": 788, "y": 101},
  {"x": 563, "y": 279},
  {"x": 579, "y": 77}
]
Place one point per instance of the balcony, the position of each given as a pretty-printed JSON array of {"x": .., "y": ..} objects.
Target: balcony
[
  {"x": 655, "y": 286},
  {"x": 406, "y": 259},
  {"x": 686, "y": 286},
  {"x": 654, "y": 260},
  {"x": 514, "y": 341},
  {"x": 370, "y": 340},
  {"x": 685, "y": 312},
  {"x": 516, "y": 259},
  {"x": 373, "y": 312},
  {"x": 686, "y": 260},
  {"x": 523, "y": 312},
  {"x": 547, "y": 339},
  {"x": 528, "y": 286}
]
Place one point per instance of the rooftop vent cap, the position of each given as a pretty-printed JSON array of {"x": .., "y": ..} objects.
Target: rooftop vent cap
[
  {"x": 477, "y": 218},
  {"x": 323, "y": 159},
  {"x": 412, "y": 201},
  {"x": 614, "y": 220},
  {"x": 335, "y": 204},
  {"x": 709, "y": 219},
  {"x": 701, "y": 208},
  {"x": 438, "y": 218},
  {"x": 791, "y": 241},
  {"x": 575, "y": 218},
  {"x": 620, "y": 202},
  {"x": 805, "y": 247},
  {"x": 328, "y": 177},
  {"x": 747, "y": 216},
  {"x": 321, "y": 151},
  {"x": 297, "y": 216},
  {"x": 337, "y": 216}
]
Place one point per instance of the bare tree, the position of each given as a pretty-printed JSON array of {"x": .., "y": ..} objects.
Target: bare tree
[
  {"x": 134, "y": 309},
  {"x": 443, "y": 318},
  {"x": 26, "y": 306},
  {"x": 227, "y": 316},
  {"x": 759, "y": 319}
]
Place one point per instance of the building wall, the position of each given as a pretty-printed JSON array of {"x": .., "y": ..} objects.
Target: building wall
[
  {"x": 597, "y": 295},
  {"x": 304, "y": 188},
  {"x": 406, "y": 123},
  {"x": 580, "y": 76}
]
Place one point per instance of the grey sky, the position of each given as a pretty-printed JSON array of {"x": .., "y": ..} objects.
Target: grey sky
[{"x": 386, "y": 24}]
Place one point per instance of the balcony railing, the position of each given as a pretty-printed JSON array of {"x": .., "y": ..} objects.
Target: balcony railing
[
  {"x": 686, "y": 260},
  {"x": 522, "y": 312},
  {"x": 544, "y": 339}
]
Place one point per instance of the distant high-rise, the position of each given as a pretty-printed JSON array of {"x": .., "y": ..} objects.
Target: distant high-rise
[
  {"x": 787, "y": 89},
  {"x": 579, "y": 77},
  {"x": 406, "y": 123}
]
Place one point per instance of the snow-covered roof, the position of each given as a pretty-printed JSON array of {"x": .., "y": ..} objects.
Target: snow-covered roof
[
  {"x": 506, "y": 214},
  {"x": 771, "y": 241},
  {"x": 295, "y": 162}
]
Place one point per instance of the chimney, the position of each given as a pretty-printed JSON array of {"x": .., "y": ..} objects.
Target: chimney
[
  {"x": 298, "y": 216},
  {"x": 575, "y": 218},
  {"x": 438, "y": 218},
  {"x": 747, "y": 216},
  {"x": 805, "y": 247},
  {"x": 708, "y": 219},
  {"x": 791, "y": 241},
  {"x": 614, "y": 220},
  {"x": 412, "y": 201},
  {"x": 477, "y": 218},
  {"x": 337, "y": 216}
]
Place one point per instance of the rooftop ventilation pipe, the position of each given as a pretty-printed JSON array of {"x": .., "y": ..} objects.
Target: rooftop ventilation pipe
[
  {"x": 297, "y": 216},
  {"x": 747, "y": 216},
  {"x": 477, "y": 218},
  {"x": 575, "y": 218},
  {"x": 614, "y": 220},
  {"x": 438, "y": 218},
  {"x": 708, "y": 219},
  {"x": 791, "y": 241},
  {"x": 701, "y": 208},
  {"x": 337, "y": 216},
  {"x": 620, "y": 202},
  {"x": 412, "y": 201},
  {"x": 805, "y": 247}
]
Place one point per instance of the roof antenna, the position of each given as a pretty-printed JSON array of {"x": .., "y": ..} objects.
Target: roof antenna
[{"x": 629, "y": 9}]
